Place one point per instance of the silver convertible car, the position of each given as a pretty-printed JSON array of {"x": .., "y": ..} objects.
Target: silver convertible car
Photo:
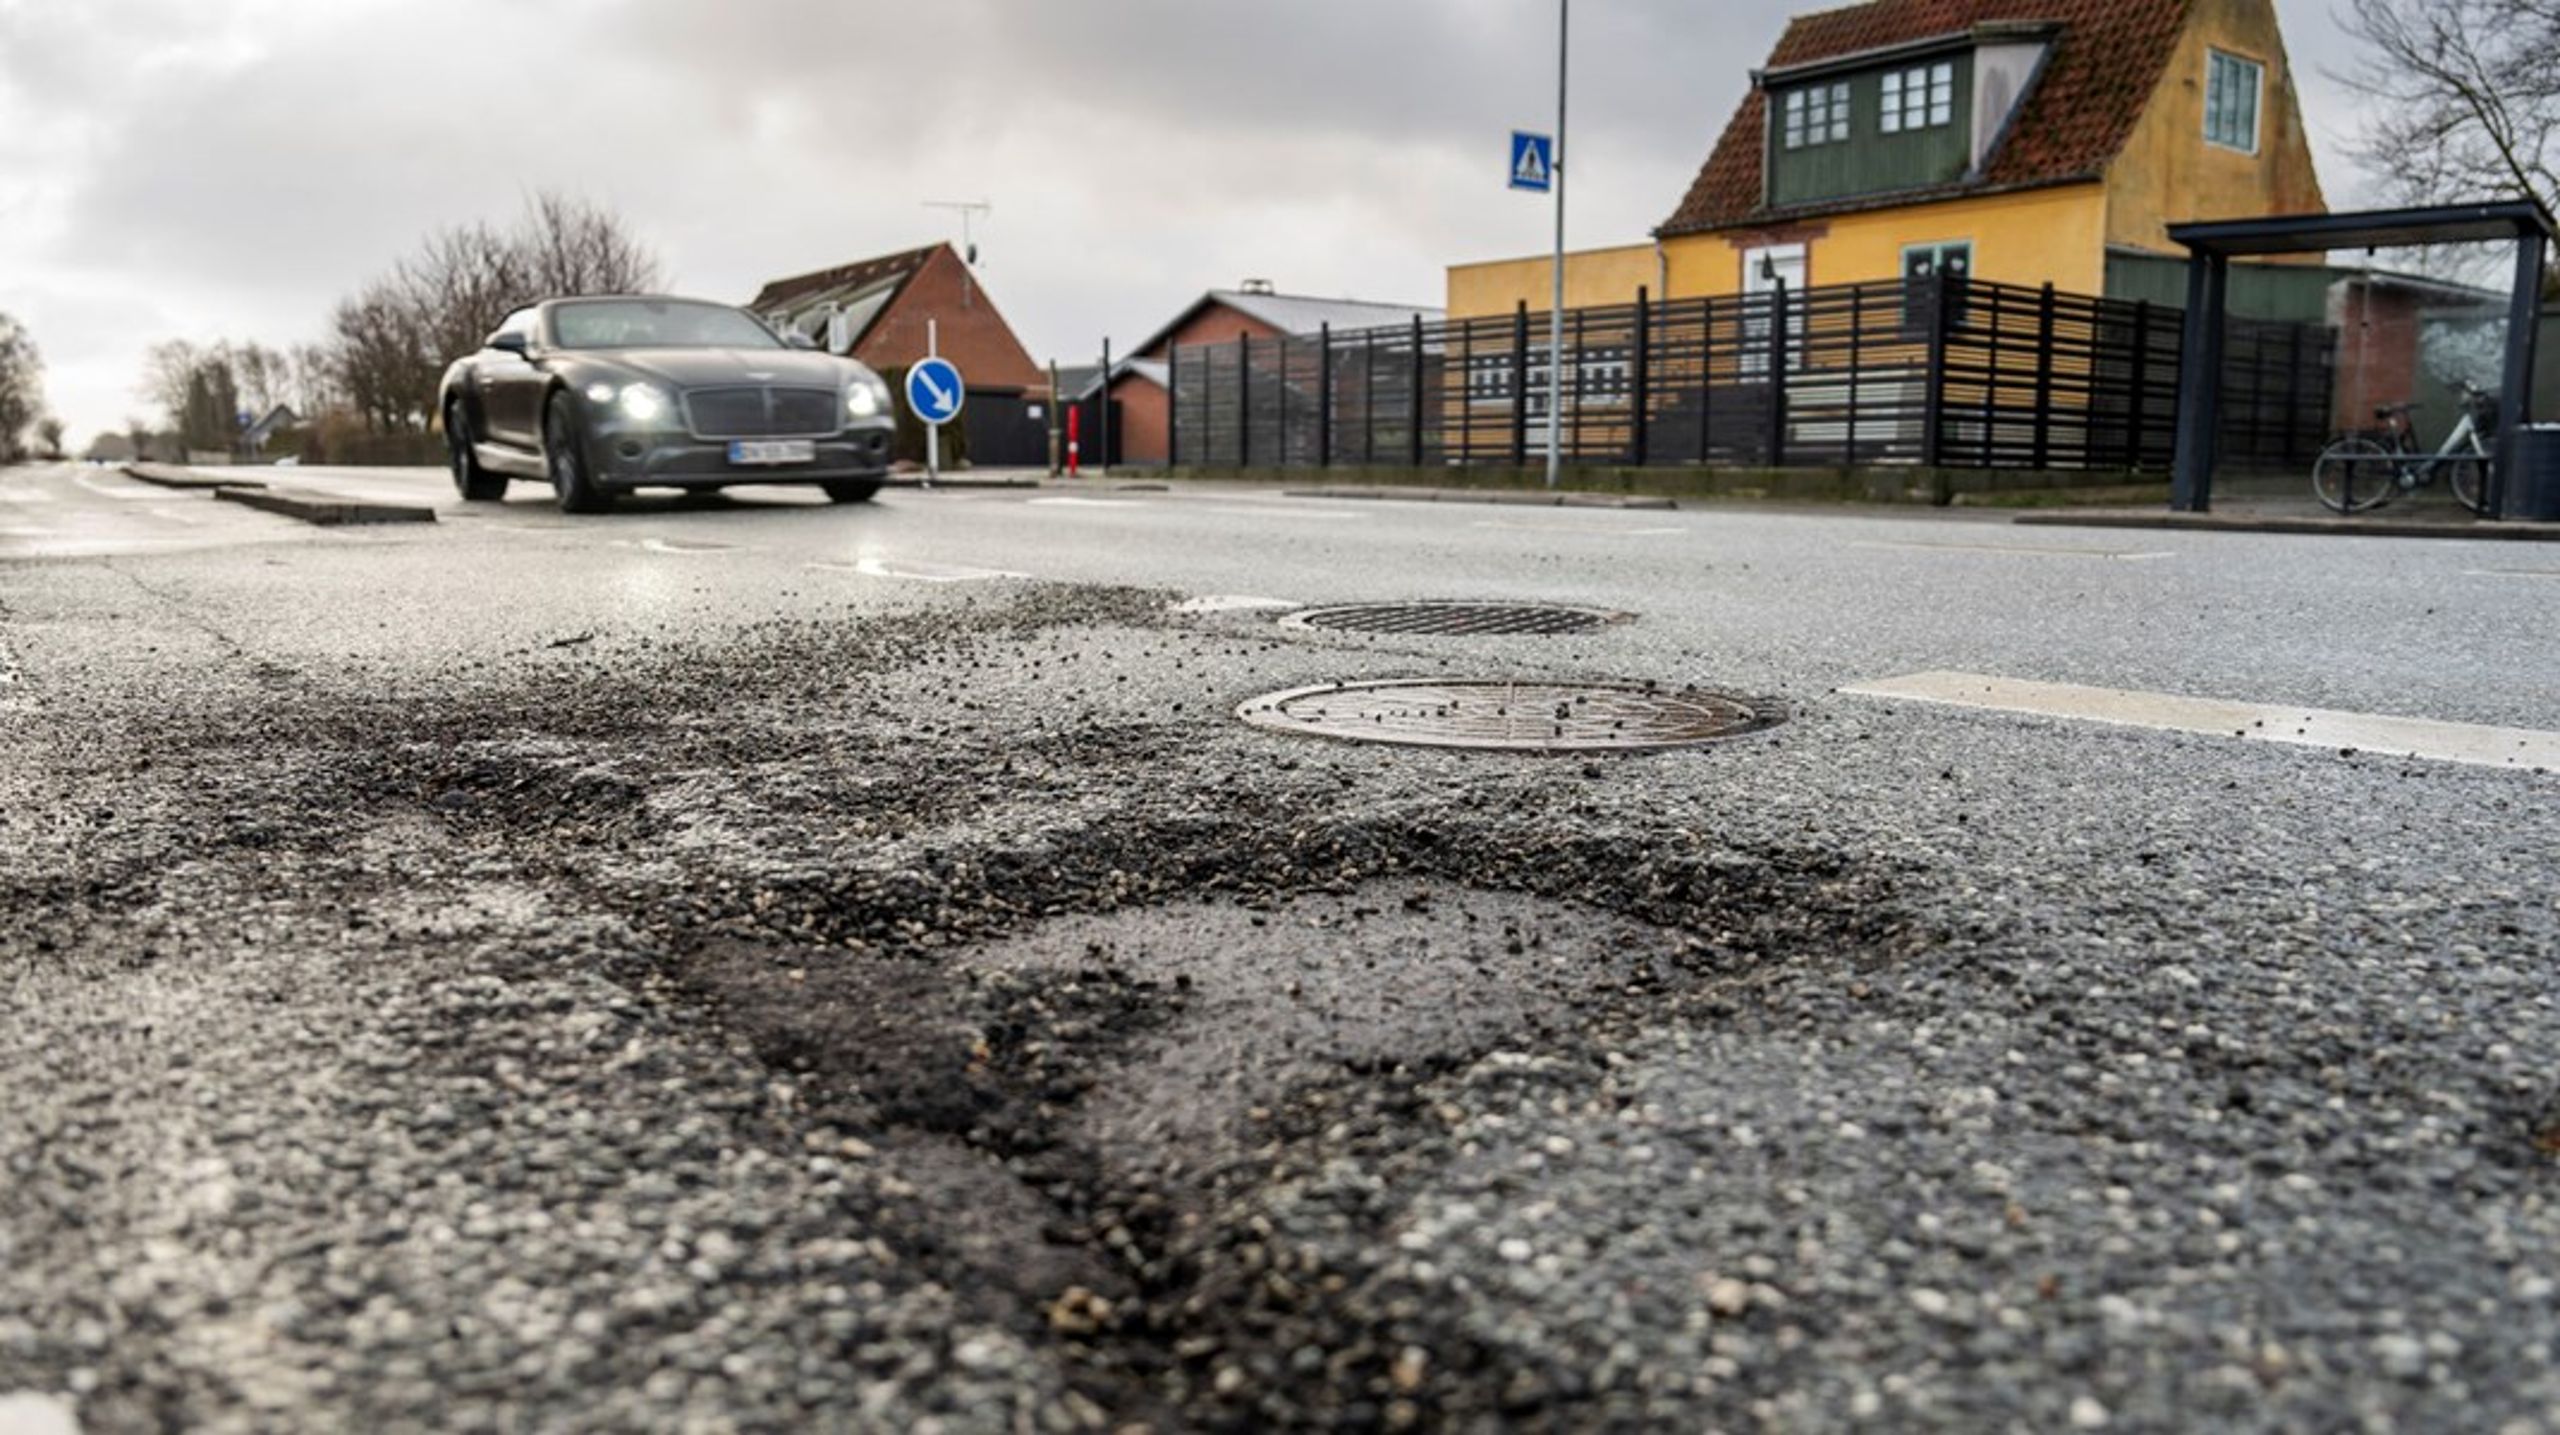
[{"x": 602, "y": 396}]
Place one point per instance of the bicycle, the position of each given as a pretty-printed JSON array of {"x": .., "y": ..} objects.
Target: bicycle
[{"x": 2362, "y": 472}]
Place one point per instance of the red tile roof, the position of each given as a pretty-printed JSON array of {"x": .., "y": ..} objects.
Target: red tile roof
[
  {"x": 901, "y": 266},
  {"x": 2105, "y": 63}
]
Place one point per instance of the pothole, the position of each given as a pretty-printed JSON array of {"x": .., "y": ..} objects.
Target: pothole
[
  {"x": 1494, "y": 715},
  {"x": 1253, "y": 1002},
  {"x": 1455, "y": 619}
]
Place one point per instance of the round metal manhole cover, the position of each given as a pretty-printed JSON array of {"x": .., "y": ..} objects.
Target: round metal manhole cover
[
  {"x": 1513, "y": 716},
  {"x": 1454, "y": 619}
]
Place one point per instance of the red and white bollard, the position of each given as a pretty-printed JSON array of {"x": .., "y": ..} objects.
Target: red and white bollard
[{"x": 1075, "y": 428}]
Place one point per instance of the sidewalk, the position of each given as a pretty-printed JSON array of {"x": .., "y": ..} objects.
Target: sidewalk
[{"x": 2440, "y": 518}]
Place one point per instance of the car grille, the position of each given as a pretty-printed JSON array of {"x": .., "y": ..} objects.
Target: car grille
[{"x": 762, "y": 412}]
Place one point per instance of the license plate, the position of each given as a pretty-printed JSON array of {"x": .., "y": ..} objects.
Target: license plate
[{"x": 772, "y": 451}]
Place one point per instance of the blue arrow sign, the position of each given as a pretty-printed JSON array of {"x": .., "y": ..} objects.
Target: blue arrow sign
[
  {"x": 1533, "y": 161},
  {"x": 934, "y": 391}
]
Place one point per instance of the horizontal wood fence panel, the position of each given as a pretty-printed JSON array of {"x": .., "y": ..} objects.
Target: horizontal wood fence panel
[{"x": 1947, "y": 372}]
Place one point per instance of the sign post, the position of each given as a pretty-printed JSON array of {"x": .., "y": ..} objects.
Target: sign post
[
  {"x": 1534, "y": 168},
  {"x": 934, "y": 394}
]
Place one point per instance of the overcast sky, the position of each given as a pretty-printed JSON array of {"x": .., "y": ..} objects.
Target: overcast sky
[{"x": 227, "y": 168}]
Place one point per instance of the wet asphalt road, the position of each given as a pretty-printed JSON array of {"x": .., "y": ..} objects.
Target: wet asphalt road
[{"x": 753, "y": 964}]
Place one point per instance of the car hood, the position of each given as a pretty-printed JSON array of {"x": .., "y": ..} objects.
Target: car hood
[{"x": 706, "y": 368}]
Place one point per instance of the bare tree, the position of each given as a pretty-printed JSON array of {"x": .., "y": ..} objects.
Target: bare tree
[
  {"x": 2466, "y": 98},
  {"x": 258, "y": 372},
  {"x": 21, "y": 388},
  {"x": 311, "y": 382},
  {"x": 389, "y": 341},
  {"x": 576, "y": 247},
  {"x": 168, "y": 373},
  {"x": 461, "y": 282},
  {"x": 49, "y": 436}
]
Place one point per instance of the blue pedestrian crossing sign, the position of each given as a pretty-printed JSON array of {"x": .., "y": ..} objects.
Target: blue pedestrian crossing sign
[
  {"x": 1533, "y": 161},
  {"x": 934, "y": 391}
]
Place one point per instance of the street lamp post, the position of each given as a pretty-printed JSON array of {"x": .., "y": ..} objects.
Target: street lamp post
[{"x": 1555, "y": 308}]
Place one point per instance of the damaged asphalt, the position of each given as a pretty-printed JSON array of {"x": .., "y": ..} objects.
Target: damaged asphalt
[{"x": 909, "y": 1007}]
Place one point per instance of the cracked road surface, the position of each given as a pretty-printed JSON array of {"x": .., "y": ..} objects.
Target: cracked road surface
[{"x": 754, "y": 965}]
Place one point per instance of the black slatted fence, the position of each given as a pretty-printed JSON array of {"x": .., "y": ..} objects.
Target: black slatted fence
[{"x": 1946, "y": 372}]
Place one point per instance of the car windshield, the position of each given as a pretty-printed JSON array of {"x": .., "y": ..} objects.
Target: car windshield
[{"x": 656, "y": 324}]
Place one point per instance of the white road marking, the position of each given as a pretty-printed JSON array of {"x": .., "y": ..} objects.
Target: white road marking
[
  {"x": 129, "y": 492},
  {"x": 1089, "y": 503},
  {"x": 2511, "y": 572},
  {"x": 685, "y": 546},
  {"x": 917, "y": 570},
  {"x": 2257, "y": 722},
  {"x": 1231, "y": 603},
  {"x": 2020, "y": 548},
  {"x": 26, "y": 1412},
  {"x": 1592, "y": 529},
  {"x": 1273, "y": 511}
]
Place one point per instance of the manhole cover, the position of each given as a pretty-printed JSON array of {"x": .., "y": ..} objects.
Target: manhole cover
[
  {"x": 1446, "y": 619},
  {"x": 1519, "y": 717}
]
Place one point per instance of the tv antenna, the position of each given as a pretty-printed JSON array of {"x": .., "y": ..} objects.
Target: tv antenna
[{"x": 969, "y": 209}]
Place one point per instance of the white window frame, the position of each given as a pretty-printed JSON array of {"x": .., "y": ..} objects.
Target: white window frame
[
  {"x": 1816, "y": 114},
  {"x": 1937, "y": 249},
  {"x": 1920, "y": 97},
  {"x": 2218, "y": 63}
]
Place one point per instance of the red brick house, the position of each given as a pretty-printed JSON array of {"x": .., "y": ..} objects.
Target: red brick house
[
  {"x": 1140, "y": 384},
  {"x": 876, "y": 310}
]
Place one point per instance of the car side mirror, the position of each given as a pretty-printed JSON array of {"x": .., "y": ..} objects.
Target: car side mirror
[
  {"x": 798, "y": 340},
  {"x": 511, "y": 342}
]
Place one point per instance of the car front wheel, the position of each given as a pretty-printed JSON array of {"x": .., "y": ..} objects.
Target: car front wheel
[
  {"x": 860, "y": 490},
  {"x": 572, "y": 485},
  {"x": 470, "y": 478}
]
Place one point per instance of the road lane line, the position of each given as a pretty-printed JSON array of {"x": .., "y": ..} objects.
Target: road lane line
[
  {"x": 129, "y": 492},
  {"x": 917, "y": 570},
  {"x": 1088, "y": 503},
  {"x": 2511, "y": 572},
  {"x": 1272, "y": 511},
  {"x": 1232, "y": 603},
  {"x": 2215, "y": 717},
  {"x": 2017, "y": 548},
  {"x": 686, "y": 547},
  {"x": 1592, "y": 529}
]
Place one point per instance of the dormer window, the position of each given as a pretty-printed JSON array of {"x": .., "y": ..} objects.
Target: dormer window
[
  {"x": 1921, "y": 97},
  {"x": 1816, "y": 114}
]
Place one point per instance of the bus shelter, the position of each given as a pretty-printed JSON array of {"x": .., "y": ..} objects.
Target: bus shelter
[{"x": 2211, "y": 246}]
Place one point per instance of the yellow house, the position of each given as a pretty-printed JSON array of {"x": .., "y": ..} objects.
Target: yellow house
[{"x": 2017, "y": 141}]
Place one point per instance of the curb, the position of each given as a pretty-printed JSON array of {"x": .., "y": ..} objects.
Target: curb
[
  {"x": 2510, "y": 531},
  {"x": 322, "y": 510},
  {"x": 916, "y": 480},
  {"x": 171, "y": 476},
  {"x": 1526, "y": 498}
]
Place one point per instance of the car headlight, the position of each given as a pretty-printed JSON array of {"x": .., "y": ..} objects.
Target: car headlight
[
  {"x": 866, "y": 397},
  {"x": 643, "y": 404}
]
